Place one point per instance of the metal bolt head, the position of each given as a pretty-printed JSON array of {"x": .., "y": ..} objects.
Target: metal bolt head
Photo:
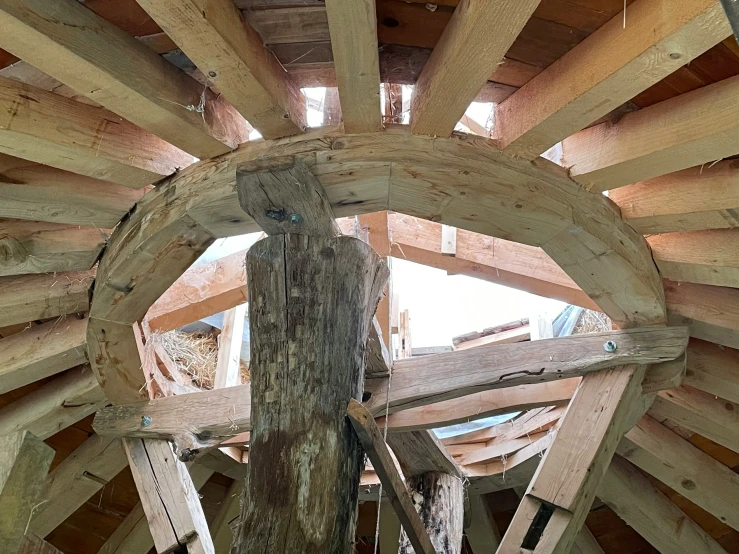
[
  {"x": 610, "y": 346},
  {"x": 145, "y": 421},
  {"x": 295, "y": 219}
]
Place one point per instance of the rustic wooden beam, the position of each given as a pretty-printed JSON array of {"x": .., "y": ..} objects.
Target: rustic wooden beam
[
  {"x": 29, "y": 190},
  {"x": 91, "y": 55},
  {"x": 420, "y": 452},
  {"x": 559, "y": 496},
  {"x": 42, "y": 351},
  {"x": 606, "y": 70},
  {"x": 390, "y": 528},
  {"x": 462, "y": 61},
  {"x": 706, "y": 482},
  {"x": 713, "y": 369},
  {"x": 232, "y": 55},
  {"x": 228, "y": 364},
  {"x": 220, "y": 529},
  {"x": 532, "y": 421},
  {"x": 586, "y": 543},
  {"x": 694, "y": 199},
  {"x": 353, "y": 28},
  {"x": 376, "y": 227},
  {"x": 644, "y": 508},
  {"x": 648, "y": 143},
  {"x": 34, "y": 545},
  {"x": 169, "y": 498},
  {"x": 75, "y": 480},
  {"x": 57, "y": 131},
  {"x": 377, "y": 451},
  {"x": 30, "y": 297},
  {"x": 482, "y": 532},
  {"x": 24, "y": 462}
]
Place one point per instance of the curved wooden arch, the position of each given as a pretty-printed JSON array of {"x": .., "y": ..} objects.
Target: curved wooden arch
[{"x": 462, "y": 181}]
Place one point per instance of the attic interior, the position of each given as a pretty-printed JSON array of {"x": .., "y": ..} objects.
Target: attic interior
[{"x": 271, "y": 400}]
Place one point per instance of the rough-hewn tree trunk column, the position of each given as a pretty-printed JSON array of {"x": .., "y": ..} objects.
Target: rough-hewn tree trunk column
[
  {"x": 439, "y": 500},
  {"x": 311, "y": 305}
]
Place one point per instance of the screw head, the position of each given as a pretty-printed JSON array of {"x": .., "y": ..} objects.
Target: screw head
[
  {"x": 145, "y": 421},
  {"x": 610, "y": 346},
  {"x": 295, "y": 219},
  {"x": 212, "y": 74}
]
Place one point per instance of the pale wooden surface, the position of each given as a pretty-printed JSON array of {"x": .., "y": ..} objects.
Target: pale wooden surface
[
  {"x": 389, "y": 528},
  {"x": 42, "y": 351},
  {"x": 353, "y": 28},
  {"x": 220, "y": 529},
  {"x": 468, "y": 52},
  {"x": 376, "y": 449},
  {"x": 635, "y": 500},
  {"x": 24, "y": 463},
  {"x": 607, "y": 69},
  {"x": 234, "y": 58},
  {"x": 421, "y": 452},
  {"x": 585, "y": 543},
  {"x": 482, "y": 532},
  {"x": 228, "y": 364},
  {"x": 713, "y": 369}
]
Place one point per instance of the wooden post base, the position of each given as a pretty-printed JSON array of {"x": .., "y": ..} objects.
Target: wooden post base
[{"x": 311, "y": 304}]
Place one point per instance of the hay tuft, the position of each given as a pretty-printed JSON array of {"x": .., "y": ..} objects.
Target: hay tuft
[{"x": 592, "y": 322}]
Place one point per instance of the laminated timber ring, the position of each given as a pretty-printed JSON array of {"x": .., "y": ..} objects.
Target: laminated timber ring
[{"x": 461, "y": 181}]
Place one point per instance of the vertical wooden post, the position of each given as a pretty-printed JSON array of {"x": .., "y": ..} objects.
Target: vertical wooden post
[
  {"x": 228, "y": 365},
  {"x": 311, "y": 300}
]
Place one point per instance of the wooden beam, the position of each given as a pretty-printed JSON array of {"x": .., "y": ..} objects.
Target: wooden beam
[
  {"x": 34, "y": 545},
  {"x": 567, "y": 480},
  {"x": 63, "y": 133},
  {"x": 31, "y": 297},
  {"x": 390, "y": 528},
  {"x": 61, "y": 402},
  {"x": 532, "y": 421},
  {"x": 652, "y": 141},
  {"x": 697, "y": 198},
  {"x": 228, "y": 364},
  {"x": 708, "y": 415},
  {"x": 37, "y": 192},
  {"x": 331, "y": 107},
  {"x": 233, "y": 56},
  {"x": 705, "y": 257},
  {"x": 24, "y": 462},
  {"x": 220, "y": 528},
  {"x": 713, "y": 369},
  {"x": 169, "y": 498},
  {"x": 133, "y": 536},
  {"x": 711, "y": 313},
  {"x": 509, "y": 336},
  {"x": 377, "y": 228},
  {"x": 376, "y": 449},
  {"x": 607, "y": 69},
  {"x": 471, "y": 47},
  {"x": 74, "y": 481},
  {"x": 353, "y": 28},
  {"x": 420, "y": 452},
  {"x": 428, "y": 380},
  {"x": 91, "y": 55},
  {"x": 482, "y": 532},
  {"x": 585, "y": 543},
  {"x": 498, "y": 449},
  {"x": 38, "y": 247},
  {"x": 686, "y": 469},
  {"x": 42, "y": 351},
  {"x": 635, "y": 500}
]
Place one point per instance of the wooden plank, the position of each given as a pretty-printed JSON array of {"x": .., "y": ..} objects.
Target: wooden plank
[
  {"x": 683, "y": 467},
  {"x": 81, "y": 49},
  {"x": 607, "y": 69},
  {"x": 34, "y": 545},
  {"x": 686, "y": 131},
  {"x": 713, "y": 369},
  {"x": 31, "y": 297},
  {"x": 42, "y": 351},
  {"x": 708, "y": 415},
  {"x": 586, "y": 543},
  {"x": 376, "y": 449},
  {"x": 228, "y": 364},
  {"x": 37, "y": 192},
  {"x": 566, "y": 481},
  {"x": 169, "y": 498},
  {"x": 74, "y": 481},
  {"x": 526, "y": 423},
  {"x": 428, "y": 380},
  {"x": 697, "y": 198},
  {"x": 61, "y": 402},
  {"x": 38, "y": 247},
  {"x": 215, "y": 36},
  {"x": 49, "y": 129},
  {"x": 220, "y": 529},
  {"x": 482, "y": 532},
  {"x": 421, "y": 452},
  {"x": 24, "y": 462},
  {"x": 389, "y": 528},
  {"x": 711, "y": 313},
  {"x": 498, "y": 449},
  {"x": 463, "y": 59},
  {"x": 705, "y": 257},
  {"x": 635, "y": 500},
  {"x": 353, "y": 28},
  {"x": 509, "y": 336},
  {"x": 377, "y": 228}
]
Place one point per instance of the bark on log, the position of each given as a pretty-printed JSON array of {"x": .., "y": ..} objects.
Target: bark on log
[
  {"x": 311, "y": 305},
  {"x": 439, "y": 499}
]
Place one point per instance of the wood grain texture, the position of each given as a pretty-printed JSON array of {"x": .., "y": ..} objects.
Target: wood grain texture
[
  {"x": 24, "y": 462},
  {"x": 228, "y": 364},
  {"x": 713, "y": 369},
  {"x": 232, "y": 55},
  {"x": 49, "y": 129},
  {"x": 482, "y": 532},
  {"x": 421, "y": 452},
  {"x": 353, "y": 29},
  {"x": 84, "y": 51},
  {"x": 34, "y": 545},
  {"x": 42, "y": 351},
  {"x": 471, "y": 47},
  {"x": 377, "y": 451},
  {"x": 607, "y": 69}
]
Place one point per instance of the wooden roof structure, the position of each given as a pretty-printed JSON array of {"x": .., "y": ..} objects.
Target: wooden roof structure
[{"x": 122, "y": 126}]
